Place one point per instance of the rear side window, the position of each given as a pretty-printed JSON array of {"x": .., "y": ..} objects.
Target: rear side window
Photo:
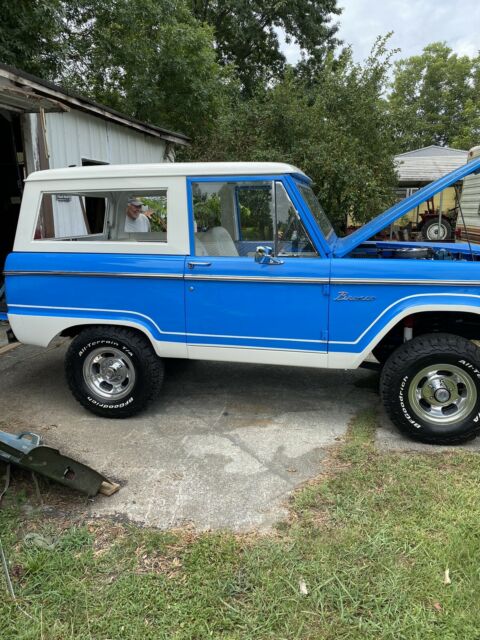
[{"x": 117, "y": 216}]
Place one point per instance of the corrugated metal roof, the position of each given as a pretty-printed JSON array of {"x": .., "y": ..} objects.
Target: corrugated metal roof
[
  {"x": 432, "y": 150},
  {"x": 421, "y": 169},
  {"x": 26, "y": 92}
]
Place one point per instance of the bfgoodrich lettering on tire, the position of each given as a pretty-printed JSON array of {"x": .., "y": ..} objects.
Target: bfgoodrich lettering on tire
[
  {"x": 113, "y": 371},
  {"x": 430, "y": 387}
]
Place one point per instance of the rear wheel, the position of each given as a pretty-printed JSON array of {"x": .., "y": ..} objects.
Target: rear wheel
[
  {"x": 430, "y": 387},
  {"x": 113, "y": 371}
]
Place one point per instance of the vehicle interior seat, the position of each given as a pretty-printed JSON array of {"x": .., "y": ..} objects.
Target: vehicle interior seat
[{"x": 217, "y": 242}]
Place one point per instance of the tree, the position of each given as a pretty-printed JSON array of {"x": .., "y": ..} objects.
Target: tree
[
  {"x": 337, "y": 129},
  {"x": 246, "y": 33},
  {"x": 150, "y": 59},
  {"x": 31, "y": 36},
  {"x": 435, "y": 99}
]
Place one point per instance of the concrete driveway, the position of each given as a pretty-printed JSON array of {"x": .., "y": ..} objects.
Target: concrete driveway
[{"x": 222, "y": 447}]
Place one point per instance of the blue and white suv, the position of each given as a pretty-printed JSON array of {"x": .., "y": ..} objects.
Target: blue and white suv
[{"x": 238, "y": 262}]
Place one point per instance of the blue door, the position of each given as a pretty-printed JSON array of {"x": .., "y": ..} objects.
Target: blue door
[{"x": 243, "y": 304}]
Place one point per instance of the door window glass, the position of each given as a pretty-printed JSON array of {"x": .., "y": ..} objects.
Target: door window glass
[{"x": 234, "y": 218}]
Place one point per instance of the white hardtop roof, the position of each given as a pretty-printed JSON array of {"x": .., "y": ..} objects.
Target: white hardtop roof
[{"x": 166, "y": 169}]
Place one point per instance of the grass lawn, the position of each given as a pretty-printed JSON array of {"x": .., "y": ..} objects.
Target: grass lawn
[{"x": 363, "y": 555}]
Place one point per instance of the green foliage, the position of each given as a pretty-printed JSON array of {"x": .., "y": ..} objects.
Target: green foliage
[
  {"x": 157, "y": 212},
  {"x": 32, "y": 35},
  {"x": 435, "y": 99},
  {"x": 246, "y": 33},
  {"x": 207, "y": 209},
  {"x": 335, "y": 128},
  {"x": 150, "y": 59}
]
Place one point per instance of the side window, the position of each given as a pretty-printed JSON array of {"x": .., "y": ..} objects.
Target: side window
[
  {"x": 116, "y": 216},
  {"x": 234, "y": 218},
  {"x": 63, "y": 216}
]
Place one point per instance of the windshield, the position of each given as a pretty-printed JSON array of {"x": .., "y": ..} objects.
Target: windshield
[{"x": 316, "y": 210}]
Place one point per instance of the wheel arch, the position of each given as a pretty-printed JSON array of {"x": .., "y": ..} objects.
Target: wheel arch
[
  {"x": 460, "y": 320},
  {"x": 43, "y": 330}
]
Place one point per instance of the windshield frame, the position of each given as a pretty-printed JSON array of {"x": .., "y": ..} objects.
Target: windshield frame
[{"x": 329, "y": 237}]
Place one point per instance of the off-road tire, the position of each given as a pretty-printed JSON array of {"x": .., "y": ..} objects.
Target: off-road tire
[
  {"x": 446, "y": 224},
  {"x": 148, "y": 370},
  {"x": 411, "y": 358}
]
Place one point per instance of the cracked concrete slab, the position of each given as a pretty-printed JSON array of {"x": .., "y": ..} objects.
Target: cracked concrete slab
[{"x": 223, "y": 446}]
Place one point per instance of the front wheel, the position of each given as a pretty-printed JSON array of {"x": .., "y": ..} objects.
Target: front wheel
[
  {"x": 430, "y": 387},
  {"x": 113, "y": 371}
]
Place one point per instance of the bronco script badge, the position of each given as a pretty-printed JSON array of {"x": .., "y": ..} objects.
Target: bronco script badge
[{"x": 344, "y": 296}]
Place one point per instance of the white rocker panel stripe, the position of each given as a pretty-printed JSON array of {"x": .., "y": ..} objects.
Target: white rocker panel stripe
[
  {"x": 287, "y": 357},
  {"x": 41, "y": 330}
]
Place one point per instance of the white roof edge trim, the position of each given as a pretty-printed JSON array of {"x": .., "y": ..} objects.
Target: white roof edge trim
[
  {"x": 167, "y": 169},
  {"x": 96, "y": 109}
]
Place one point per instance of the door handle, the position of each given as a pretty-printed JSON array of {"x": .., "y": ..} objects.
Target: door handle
[{"x": 192, "y": 265}]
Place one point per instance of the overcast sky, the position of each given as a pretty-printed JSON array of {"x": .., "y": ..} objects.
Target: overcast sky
[{"x": 415, "y": 23}]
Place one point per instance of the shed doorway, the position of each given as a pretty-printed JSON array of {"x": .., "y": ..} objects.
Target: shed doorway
[{"x": 12, "y": 175}]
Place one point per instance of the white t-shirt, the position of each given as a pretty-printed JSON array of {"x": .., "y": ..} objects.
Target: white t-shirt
[{"x": 140, "y": 225}]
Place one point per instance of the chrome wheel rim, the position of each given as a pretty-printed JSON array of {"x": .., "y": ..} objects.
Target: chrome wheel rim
[
  {"x": 437, "y": 232},
  {"x": 109, "y": 373},
  {"x": 442, "y": 394}
]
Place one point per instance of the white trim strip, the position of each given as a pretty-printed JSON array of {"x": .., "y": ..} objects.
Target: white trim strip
[
  {"x": 234, "y": 278},
  {"x": 250, "y": 347},
  {"x": 396, "y": 281},
  {"x": 135, "y": 313},
  {"x": 416, "y": 295},
  {"x": 272, "y": 279},
  {"x": 222, "y": 335},
  {"x": 96, "y": 274}
]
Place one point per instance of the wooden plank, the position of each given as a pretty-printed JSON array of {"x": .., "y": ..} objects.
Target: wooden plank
[{"x": 8, "y": 347}]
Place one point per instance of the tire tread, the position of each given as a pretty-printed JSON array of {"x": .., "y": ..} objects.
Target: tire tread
[
  {"x": 421, "y": 346},
  {"x": 146, "y": 354}
]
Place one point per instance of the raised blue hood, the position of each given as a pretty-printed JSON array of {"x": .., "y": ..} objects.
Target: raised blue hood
[{"x": 345, "y": 245}]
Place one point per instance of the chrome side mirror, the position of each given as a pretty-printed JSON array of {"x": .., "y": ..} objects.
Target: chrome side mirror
[{"x": 264, "y": 255}]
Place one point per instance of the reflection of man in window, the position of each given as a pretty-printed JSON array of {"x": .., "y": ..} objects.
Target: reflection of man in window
[{"x": 135, "y": 220}]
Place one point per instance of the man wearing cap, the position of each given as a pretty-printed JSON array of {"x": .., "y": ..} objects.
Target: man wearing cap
[{"x": 135, "y": 220}]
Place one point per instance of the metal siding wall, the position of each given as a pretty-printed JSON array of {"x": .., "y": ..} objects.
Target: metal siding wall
[
  {"x": 74, "y": 135},
  {"x": 471, "y": 200}
]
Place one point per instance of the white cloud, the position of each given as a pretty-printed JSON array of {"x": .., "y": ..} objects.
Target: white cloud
[{"x": 415, "y": 24}]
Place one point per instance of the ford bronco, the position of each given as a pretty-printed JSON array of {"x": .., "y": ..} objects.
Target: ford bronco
[{"x": 238, "y": 262}]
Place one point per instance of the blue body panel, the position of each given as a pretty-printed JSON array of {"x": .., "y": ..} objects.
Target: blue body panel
[
  {"x": 108, "y": 286},
  {"x": 276, "y": 312},
  {"x": 305, "y": 304},
  {"x": 389, "y": 287}
]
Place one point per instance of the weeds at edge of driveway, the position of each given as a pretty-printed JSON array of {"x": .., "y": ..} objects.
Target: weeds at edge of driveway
[{"x": 365, "y": 557}]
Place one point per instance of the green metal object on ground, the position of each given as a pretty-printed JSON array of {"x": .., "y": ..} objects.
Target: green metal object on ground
[{"x": 27, "y": 451}]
